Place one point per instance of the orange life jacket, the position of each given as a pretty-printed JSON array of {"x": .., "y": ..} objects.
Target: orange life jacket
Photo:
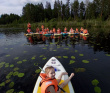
[{"x": 46, "y": 82}]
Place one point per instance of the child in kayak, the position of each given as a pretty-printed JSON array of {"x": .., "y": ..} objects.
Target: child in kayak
[{"x": 49, "y": 83}]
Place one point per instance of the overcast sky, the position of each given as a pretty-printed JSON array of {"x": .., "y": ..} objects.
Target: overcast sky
[{"x": 16, "y": 6}]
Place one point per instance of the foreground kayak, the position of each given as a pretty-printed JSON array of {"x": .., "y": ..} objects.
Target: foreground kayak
[
  {"x": 58, "y": 69},
  {"x": 84, "y": 34}
]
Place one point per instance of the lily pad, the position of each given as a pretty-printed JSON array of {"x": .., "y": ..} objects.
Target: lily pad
[
  {"x": 41, "y": 55},
  {"x": 19, "y": 62},
  {"x": 2, "y": 84},
  {"x": 66, "y": 48},
  {"x": 16, "y": 58},
  {"x": 15, "y": 69},
  {"x": 20, "y": 74},
  {"x": 24, "y": 60},
  {"x": 59, "y": 56},
  {"x": 21, "y": 92},
  {"x": 54, "y": 50},
  {"x": 7, "y": 81},
  {"x": 65, "y": 56},
  {"x": 37, "y": 71},
  {"x": 44, "y": 58},
  {"x": 15, "y": 73},
  {"x": 95, "y": 82},
  {"x": 7, "y": 65},
  {"x": 10, "y": 91},
  {"x": 80, "y": 70},
  {"x": 7, "y": 55},
  {"x": 11, "y": 84},
  {"x": 11, "y": 65},
  {"x": 44, "y": 48},
  {"x": 72, "y": 61},
  {"x": 76, "y": 50},
  {"x": 107, "y": 54},
  {"x": 85, "y": 61},
  {"x": 81, "y": 55},
  {"x": 97, "y": 89},
  {"x": 72, "y": 57},
  {"x": 33, "y": 57},
  {"x": 24, "y": 51}
]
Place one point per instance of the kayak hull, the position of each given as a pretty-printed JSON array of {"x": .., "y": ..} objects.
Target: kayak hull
[{"x": 58, "y": 69}]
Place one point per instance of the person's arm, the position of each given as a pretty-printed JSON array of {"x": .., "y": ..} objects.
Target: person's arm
[{"x": 60, "y": 76}]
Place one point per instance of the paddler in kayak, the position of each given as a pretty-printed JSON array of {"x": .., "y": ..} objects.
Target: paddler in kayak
[
  {"x": 37, "y": 30},
  {"x": 49, "y": 83},
  {"x": 58, "y": 31},
  {"x": 81, "y": 30},
  {"x": 29, "y": 25},
  {"x": 29, "y": 31},
  {"x": 65, "y": 30},
  {"x": 77, "y": 31},
  {"x": 71, "y": 30}
]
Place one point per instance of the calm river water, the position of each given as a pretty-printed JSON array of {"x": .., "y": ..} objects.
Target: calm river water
[{"x": 88, "y": 57}]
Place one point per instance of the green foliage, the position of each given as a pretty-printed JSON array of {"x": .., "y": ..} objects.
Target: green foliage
[
  {"x": 20, "y": 74},
  {"x": 95, "y": 82},
  {"x": 85, "y": 61},
  {"x": 97, "y": 89},
  {"x": 11, "y": 84},
  {"x": 10, "y": 91}
]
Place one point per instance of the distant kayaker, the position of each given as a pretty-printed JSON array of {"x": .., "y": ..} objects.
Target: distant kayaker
[
  {"x": 65, "y": 30},
  {"x": 85, "y": 31},
  {"x": 29, "y": 30},
  {"x": 71, "y": 30},
  {"x": 77, "y": 31},
  {"x": 81, "y": 30},
  {"x": 54, "y": 30},
  {"x": 37, "y": 30},
  {"x": 49, "y": 83},
  {"x": 58, "y": 31}
]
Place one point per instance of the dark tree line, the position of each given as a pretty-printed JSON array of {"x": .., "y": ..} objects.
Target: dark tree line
[{"x": 98, "y": 9}]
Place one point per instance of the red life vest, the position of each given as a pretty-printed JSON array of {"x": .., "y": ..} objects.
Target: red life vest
[{"x": 46, "y": 82}]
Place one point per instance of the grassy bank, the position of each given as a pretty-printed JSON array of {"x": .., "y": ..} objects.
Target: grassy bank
[{"x": 61, "y": 24}]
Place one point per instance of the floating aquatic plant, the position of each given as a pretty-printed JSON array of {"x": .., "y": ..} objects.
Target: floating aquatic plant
[
  {"x": 2, "y": 84},
  {"x": 33, "y": 57},
  {"x": 15, "y": 73},
  {"x": 65, "y": 56},
  {"x": 81, "y": 55},
  {"x": 11, "y": 48},
  {"x": 7, "y": 65},
  {"x": 1, "y": 64},
  {"x": 54, "y": 50},
  {"x": 15, "y": 69},
  {"x": 10, "y": 91},
  {"x": 95, "y": 59},
  {"x": 11, "y": 84},
  {"x": 66, "y": 48},
  {"x": 44, "y": 58},
  {"x": 76, "y": 50},
  {"x": 7, "y": 55},
  {"x": 6, "y": 48},
  {"x": 7, "y": 81},
  {"x": 107, "y": 54},
  {"x": 20, "y": 74},
  {"x": 9, "y": 75},
  {"x": 97, "y": 89},
  {"x": 37, "y": 71},
  {"x": 95, "y": 82},
  {"x": 16, "y": 58},
  {"x": 80, "y": 70},
  {"x": 59, "y": 56},
  {"x": 21, "y": 92},
  {"x": 19, "y": 62},
  {"x": 24, "y": 60},
  {"x": 11, "y": 65},
  {"x": 44, "y": 48},
  {"x": 72, "y": 57},
  {"x": 41, "y": 55},
  {"x": 85, "y": 61},
  {"x": 72, "y": 61}
]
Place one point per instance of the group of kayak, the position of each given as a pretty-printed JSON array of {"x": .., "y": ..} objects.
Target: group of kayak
[{"x": 46, "y": 31}]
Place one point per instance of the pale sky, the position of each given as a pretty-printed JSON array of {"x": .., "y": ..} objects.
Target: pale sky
[{"x": 16, "y": 6}]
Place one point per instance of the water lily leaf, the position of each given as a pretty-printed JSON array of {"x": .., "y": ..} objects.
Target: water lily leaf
[
  {"x": 80, "y": 70},
  {"x": 2, "y": 84},
  {"x": 16, "y": 58},
  {"x": 37, "y": 71},
  {"x": 65, "y": 56},
  {"x": 33, "y": 57},
  {"x": 11, "y": 65},
  {"x": 15, "y": 69},
  {"x": 1, "y": 64},
  {"x": 7, "y": 65},
  {"x": 11, "y": 84},
  {"x": 21, "y": 92},
  {"x": 72, "y": 57},
  {"x": 15, "y": 73},
  {"x": 95, "y": 82},
  {"x": 7, "y": 81},
  {"x": 7, "y": 55},
  {"x": 9, "y": 75},
  {"x": 72, "y": 61},
  {"x": 54, "y": 50},
  {"x": 66, "y": 48},
  {"x": 41, "y": 55},
  {"x": 76, "y": 50},
  {"x": 81, "y": 55},
  {"x": 24, "y": 60},
  {"x": 11, "y": 48},
  {"x": 107, "y": 54},
  {"x": 19, "y": 62},
  {"x": 44, "y": 48},
  {"x": 20, "y": 74},
  {"x": 59, "y": 56},
  {"x": 10, "y": 91},
  {"x": 6, "y": 48},
  {"x": 85, "y": 61},
  {"x": 44, "y": 58},
  {"x": 97, "y": 89},
  {"x": 95, "y": 59}
]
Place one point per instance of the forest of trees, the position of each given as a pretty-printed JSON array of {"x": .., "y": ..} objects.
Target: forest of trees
[{"x": 97, "y": 9}]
